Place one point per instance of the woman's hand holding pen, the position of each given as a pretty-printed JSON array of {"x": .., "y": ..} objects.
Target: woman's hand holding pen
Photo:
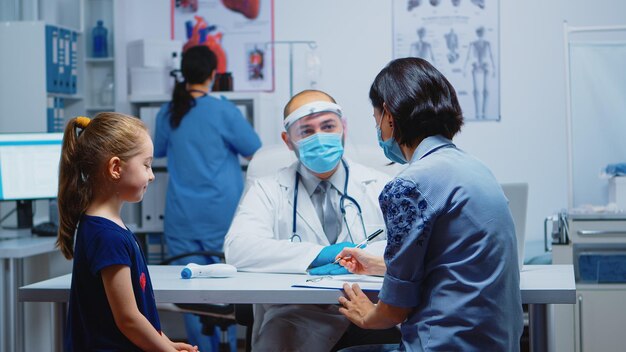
[{"x": 358, "y": 261}]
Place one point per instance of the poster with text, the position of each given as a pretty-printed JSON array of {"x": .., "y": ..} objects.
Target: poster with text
[
  {"x": 461, "y": 39},
  {"x": 237, "y": 31}
]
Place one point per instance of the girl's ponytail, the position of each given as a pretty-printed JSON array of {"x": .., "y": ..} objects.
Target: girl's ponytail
[{"x": 74, "y": 193}]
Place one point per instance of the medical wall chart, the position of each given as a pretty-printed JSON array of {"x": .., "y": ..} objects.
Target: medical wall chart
[
  {"x": 237, "y": 31},
  {"x": 461, "y": 39}
]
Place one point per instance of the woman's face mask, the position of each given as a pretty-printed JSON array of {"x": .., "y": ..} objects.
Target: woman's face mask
[{"x": 391, "y": 148}]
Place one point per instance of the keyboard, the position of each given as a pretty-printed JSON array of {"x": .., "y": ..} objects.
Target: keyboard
[{"x": 46, "y": 229}]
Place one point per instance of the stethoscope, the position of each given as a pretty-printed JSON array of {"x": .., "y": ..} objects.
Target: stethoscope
[{"x": 342, "y": 206}]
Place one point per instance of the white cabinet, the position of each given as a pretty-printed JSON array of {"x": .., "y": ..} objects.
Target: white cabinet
[
  {"x": 260, "y": 110},
  {"x": 600, "y": 318},
  {"x": 596, "y": 322}
]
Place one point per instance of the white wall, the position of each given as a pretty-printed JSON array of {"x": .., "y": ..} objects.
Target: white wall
[{"x": 355, "y": 41}]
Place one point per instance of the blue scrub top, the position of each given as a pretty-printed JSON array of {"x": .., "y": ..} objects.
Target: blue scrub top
[
  {"x": 451, "y": 253},
  {"x": 205, "y": 177}
]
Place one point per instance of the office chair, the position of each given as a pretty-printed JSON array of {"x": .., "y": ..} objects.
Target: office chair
[{"x": 212, "y": 315}]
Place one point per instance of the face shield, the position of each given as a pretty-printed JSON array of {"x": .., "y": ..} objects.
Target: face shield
[{"x": 316, "y": 131}]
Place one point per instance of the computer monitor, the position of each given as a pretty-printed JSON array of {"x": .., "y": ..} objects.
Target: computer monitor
[
  {"x": 517, "y": 194},
  {"x": 29, "y": 170}
]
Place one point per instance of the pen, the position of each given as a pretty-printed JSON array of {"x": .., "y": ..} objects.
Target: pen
[{"x": 363, "y": 243}]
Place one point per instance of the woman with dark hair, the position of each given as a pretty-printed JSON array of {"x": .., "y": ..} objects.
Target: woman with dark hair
[
  {"x": 450, "y": 265},
  {"x": 202, "y": 137}
]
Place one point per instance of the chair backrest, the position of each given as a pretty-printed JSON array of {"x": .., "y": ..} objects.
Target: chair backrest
[
  {"x": 517, "y": 194},
  {"x": 268, "y": 160}
]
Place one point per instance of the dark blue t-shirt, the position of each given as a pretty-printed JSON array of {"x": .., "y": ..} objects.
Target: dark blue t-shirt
[{"x": 90, "y": 325}]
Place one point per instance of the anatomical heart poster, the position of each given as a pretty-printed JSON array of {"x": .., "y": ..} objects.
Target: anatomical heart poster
[
  {"x": 461, "y": 38},
  {"x": 237, "y": 31}
]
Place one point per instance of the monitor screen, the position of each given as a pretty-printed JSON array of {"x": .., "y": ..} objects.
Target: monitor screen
[
  {"x": 246, "y": 106},
  {"x": 29, "y": 165}
]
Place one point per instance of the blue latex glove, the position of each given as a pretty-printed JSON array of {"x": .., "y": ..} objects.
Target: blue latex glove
[
  {"x": 327, "y": 254},
  {"x": 329, "y": 269}
]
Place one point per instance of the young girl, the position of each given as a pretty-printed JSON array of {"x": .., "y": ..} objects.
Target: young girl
[{"x": 104, "y": 163}]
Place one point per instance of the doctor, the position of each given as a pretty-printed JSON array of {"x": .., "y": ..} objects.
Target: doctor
[{"x": 294, "y": 221}]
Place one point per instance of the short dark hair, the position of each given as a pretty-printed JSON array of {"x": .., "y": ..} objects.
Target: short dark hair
[{"x": 419, "y": 98}]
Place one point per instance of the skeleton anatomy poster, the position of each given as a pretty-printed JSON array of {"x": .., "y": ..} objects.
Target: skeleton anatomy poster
[
  {"x": 461, "y": 39},
  {"x": 238, "y": 32}
]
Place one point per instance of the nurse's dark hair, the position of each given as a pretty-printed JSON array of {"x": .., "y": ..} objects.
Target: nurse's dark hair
[
  {"x": 197, "y": 65},
  {"x": 88, "y": 145},
  {"x": 420, "y": 99}
]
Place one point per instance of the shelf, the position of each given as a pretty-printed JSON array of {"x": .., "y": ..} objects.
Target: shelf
[
  {"x": 97, "y": 60},
  {"x": 152, "y": 98},
  {"x": 164, "y": 98},
  {"x": 65, "y": 96},
  {"x": 100, "y": 108}
]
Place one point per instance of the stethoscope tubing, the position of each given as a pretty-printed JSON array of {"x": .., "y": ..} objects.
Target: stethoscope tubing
[{"x": 342, "y": 208}]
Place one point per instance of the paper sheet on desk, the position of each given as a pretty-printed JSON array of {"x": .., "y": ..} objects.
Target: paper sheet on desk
[{"x": 366, "y": 282}]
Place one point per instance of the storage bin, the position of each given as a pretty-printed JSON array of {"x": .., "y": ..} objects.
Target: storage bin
[
  {"x": 150, "y": 81},
  {"x": 617, "y": 191},
  {"x": 152, "y": 52},
  {"x": 602, "y": 267}
]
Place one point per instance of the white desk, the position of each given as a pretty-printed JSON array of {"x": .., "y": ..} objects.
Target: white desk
[
  {"x": 540, "y": 285},
  {"x": 12, "y": 252}
]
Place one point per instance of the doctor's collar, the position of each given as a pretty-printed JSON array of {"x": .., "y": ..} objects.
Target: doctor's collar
[
  {"x": 310, "y": 181},
  {"x": 311, "y": 108}
]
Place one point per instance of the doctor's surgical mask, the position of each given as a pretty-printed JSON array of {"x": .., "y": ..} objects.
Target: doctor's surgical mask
[{"x": 320, "y": 152}]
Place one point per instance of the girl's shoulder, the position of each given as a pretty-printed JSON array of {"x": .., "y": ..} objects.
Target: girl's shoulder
[{"x": 97, "y": 226}]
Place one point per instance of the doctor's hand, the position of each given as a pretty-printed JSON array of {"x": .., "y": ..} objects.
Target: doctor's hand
[
  {"x": 329, "y": 253},
  {"x": 329, "y": 269},
  {"x": 358, "y": 261}
]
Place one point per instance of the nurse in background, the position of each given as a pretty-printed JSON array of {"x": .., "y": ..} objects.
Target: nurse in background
[
  {"x": 450, "y": 267},
  {"x": 202, "y": 137}
]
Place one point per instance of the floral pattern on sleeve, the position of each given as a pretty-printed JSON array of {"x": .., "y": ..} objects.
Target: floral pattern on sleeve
[{"x": 405, "y": 212}]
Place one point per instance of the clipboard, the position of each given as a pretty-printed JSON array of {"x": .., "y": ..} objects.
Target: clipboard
[{"x": 366, "y": 282}]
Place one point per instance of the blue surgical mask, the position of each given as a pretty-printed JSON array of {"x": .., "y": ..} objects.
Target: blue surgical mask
[
  {"x": 390, "y": 147},
  {"x": 320, "y": 152}
]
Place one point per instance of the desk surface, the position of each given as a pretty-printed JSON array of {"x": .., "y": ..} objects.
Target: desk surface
[
  {"x": 26, "y": 246},
  {"x": 540, "y": 284}
]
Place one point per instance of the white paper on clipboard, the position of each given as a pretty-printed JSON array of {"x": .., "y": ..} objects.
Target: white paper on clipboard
[{"x": 366, "y": 282}]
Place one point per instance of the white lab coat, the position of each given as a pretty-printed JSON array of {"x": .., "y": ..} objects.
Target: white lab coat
[{"x": 259, "y": 240}]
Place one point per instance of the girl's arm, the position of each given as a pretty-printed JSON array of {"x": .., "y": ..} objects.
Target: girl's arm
[
  {"x": 130, "y": 321},
  {"x": 180, "y": 346}
]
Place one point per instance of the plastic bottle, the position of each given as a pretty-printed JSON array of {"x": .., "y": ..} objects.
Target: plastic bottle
[
  {"x": 106, "y": 91},
  {"x": 211, "y": 270},
  {"x": 175, "y": 63},
  {"x": 99, "y": 38}
]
